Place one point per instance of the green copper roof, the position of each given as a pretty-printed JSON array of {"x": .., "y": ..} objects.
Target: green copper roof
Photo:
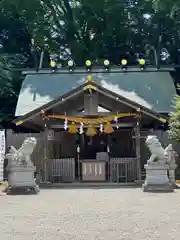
[{"x": 154, "y": 90}]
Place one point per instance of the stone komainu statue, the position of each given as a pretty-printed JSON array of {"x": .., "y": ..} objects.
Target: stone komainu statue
[
  {"x": 21, "y": 169},
  {"x": 23, "y": 154},
  {"x": 156, "y": 149},
  {"x": 160, "y": 168}
]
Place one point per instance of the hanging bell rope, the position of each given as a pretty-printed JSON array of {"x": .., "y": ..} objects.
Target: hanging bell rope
[
  {"x": 108, "y": 128},
  {"x": 73, "y": 128},
  {"x": 91, "y": 131}
]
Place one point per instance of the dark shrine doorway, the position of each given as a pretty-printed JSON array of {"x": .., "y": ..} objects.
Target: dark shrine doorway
[{"x": 90, "y": 146}]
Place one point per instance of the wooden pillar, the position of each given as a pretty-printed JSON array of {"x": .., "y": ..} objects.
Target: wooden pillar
[
  {"x": 50, "y": 141},
  {"x": 82, "y": 145},
  {"x": 91, "y": 103},
  {"x": 78, "y": 150},
  {"x": 45, "y": 155},
  {"x": 138, "y": 148},
  {"x": 48, "y": 151},
  {"x": 109, "y": 177}
]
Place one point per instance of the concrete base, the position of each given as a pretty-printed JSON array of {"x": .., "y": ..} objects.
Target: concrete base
[
  {"x": 22, "y": 190},
  {"x": 157, "y": 188},
  {"x": 157, "y": 178},
  {"x": 175, "y": 186},
  {"x": 99, "y": 185},
  {"x": 21, "y": 177}
]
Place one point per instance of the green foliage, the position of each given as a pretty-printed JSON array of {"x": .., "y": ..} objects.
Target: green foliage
[
  {"x": 174, "y": 123},
  {"x": 97, "y": 29},
  {"x": 9, "y": 87}
]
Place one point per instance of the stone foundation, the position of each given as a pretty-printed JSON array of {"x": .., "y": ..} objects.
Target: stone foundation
[
  {"x": 157, "y": 178},
  {"x": 23, "y": 190},
  {"x": 21, "y": 180}
]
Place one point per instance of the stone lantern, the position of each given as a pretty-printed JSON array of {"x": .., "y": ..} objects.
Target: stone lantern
[{"x": 171, "y": 154}]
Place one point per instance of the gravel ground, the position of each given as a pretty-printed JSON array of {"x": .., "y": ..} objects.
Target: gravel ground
[{"x": 108, "y": 214}]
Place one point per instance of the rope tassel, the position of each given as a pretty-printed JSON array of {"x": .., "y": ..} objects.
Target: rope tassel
[
  {"x": 73, "y": 128},
  {"x": 108, "y": 128}
]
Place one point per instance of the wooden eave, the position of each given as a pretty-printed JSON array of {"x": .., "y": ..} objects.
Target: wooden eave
[
  {"x": 97, "y": 69},
  {"x": 91, "y": 86},
  {"x": 58, "y": 101}
]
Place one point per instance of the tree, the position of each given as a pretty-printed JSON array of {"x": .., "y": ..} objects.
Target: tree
[
  {"x": 100, "y": 29},
  {"x": 84, "y": 29},
  {"x": 10, "y": 83},
  {"x": 15, "y": 52},
  {"x": 174, "y": 123},
  {"x": 168, "y": 13}
]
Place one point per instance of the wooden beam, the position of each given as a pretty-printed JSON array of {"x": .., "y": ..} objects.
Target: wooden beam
[
  {"x": 32, "y": 125},
  {"x": 138, "y": 150},
  {"x": 121, "y": 125},
  {"x": 91, "y": 103},
  {"x": 68, "y": 107},
  {"x": 97, "y": 69},
  {"x": 141, "y": 137},
  {"x": 82, "y": 114},
  {"x": 46, "y": 107},
  {"x": 130, "y": 104},
  {"x": 113, "y": 105}
]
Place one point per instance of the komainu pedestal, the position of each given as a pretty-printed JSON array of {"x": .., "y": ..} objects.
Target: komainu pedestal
[
  {"x": 156, "y": 178},
  {"x": 157, "y": 167},
  {"x": 21, "y": 179},
  {"x": 21, "y": 169}
]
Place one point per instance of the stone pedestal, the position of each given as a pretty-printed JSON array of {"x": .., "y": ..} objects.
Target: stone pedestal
[
  {"x": 157, "y": 178},
  {"x": 21, "y": 179}
]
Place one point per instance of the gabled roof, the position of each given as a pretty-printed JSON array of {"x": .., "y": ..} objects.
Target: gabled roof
[
  {"x": 153, "y": 90},
  {"x": 96, "y": 87}
]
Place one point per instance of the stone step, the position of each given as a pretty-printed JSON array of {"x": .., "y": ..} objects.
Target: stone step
[{"x": 88, "y": 185}]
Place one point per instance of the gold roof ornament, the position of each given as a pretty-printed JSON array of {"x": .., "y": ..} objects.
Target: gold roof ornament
[
  {"x": 89, "y": 78},
  {"x": 19, "y": 123}
]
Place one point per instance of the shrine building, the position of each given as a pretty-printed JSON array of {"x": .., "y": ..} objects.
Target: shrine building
[{"x": 92, "y": 125}]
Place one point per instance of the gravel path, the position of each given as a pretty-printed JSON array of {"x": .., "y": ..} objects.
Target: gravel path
[{"x": 92, "y": 214}]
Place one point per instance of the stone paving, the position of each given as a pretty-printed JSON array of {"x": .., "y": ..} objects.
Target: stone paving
[{"x": 92, "y": 214}]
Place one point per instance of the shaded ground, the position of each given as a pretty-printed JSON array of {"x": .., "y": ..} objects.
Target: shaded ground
[{"x": 109, "y": 214}]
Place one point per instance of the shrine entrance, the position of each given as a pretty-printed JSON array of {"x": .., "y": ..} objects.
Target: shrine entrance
[
  {"x": 94, "y": 157},
  {"x": 91, "y": 145}
]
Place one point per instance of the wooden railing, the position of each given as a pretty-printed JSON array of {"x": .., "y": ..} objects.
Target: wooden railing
[
  {"x": 60, "y": 170},
  {"x": 123, "y": 169}
]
